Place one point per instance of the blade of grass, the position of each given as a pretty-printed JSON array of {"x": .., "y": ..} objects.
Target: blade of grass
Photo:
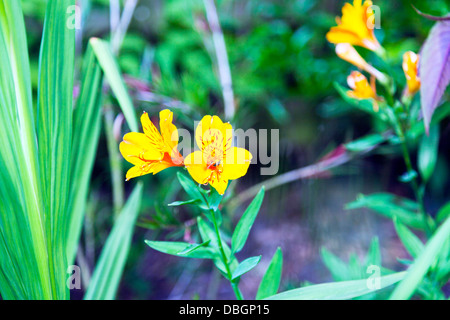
[
  {"x": 341, "y": 290},
  {"x": 54, "y": 125},
  {"x": 108, "y": 272},
  {"x": 21, "y": 207},
  {"x": 110, "y": 67},
  {"x": 424, "y": 261},
  {"x": 86, "y": 134}
]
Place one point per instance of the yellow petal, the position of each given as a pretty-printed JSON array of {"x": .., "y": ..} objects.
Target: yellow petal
[
  {"x": 347, "y": 52},
  {"x": 236, "y": 163},
  {"x": 197, "y": 167},
  {"x": 208, "y": 129},
  {"x": 138, "y": 145},
  {"x": 361, "y": 87},
  {"x": 340, "y": 35},
  {"x": 353, "y": 27},
  {"x": 145, "y": 167},
  {"x": 169, "y": 131},
  {"x": 134, "y": 172},
  {"x": 218, "y": 182},
  {"x": 410, "y": 67},
  {"x": 154, "y": 137}
]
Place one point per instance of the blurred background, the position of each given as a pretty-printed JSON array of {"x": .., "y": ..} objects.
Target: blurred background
[{"x": 283, "y": 71}]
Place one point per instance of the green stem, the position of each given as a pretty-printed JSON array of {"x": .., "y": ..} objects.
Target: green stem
[
  {"x": 115, "y": 162},
  {"x": 225, "y": 261},
  {"x": 414, "y": 184}
]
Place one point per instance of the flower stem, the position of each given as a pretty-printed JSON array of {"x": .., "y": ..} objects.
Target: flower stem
[
  {"x": 225, "y": 261},
  {"x": 414, "y": 184}
]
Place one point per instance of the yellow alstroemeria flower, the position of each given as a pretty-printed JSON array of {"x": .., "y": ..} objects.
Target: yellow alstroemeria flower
[
  {"x": 348, "y": 53},
  {"x": 361, "y": 89},
  {"x": 411, "y": 69},
  {"x": 354, "y": 26},
  {"x": 151, "y": 151},
  {"x": 217, "y": 161}
]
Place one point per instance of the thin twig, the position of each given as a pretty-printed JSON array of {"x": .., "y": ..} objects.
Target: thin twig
[
  {"x": 114, "y": 15},
  {"x": 223, "y": 64},
  {"x": 121, "y": 28},
  {"x": 115, "y": 162},
  {"x": 297, "y": 174}
]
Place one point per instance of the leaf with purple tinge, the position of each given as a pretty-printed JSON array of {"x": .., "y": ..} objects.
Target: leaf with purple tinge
[
  {"x": 434, "y": 69},
  {"x": 431, "y": 17}
]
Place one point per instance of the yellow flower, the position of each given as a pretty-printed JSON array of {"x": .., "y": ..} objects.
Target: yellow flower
[
  {"x": 354, "y": 28},
  {"x": 347, "y": 52},
  {"x": 151, "y": 151},
  {"x": 410, "y": 67},
  {"x": 361, "y": 89},
  {"x": 217, "y": 161}
]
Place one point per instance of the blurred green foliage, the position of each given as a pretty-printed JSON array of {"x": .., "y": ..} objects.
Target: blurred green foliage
[{"x": 283, "y": 71}]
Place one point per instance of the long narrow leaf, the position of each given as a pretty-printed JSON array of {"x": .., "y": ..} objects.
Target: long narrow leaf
[
  {"x": 271, "y": 279},
  {"x": 55, "y": 96},
  {"x": 341, "y": 290},
  {"x": 423, "y": 262},
  {"x": 86, "y": 135},
  {"x": 245, "y": 224},
  {"x": 110, "y": 67},
  {"x": 108, "y": 272}
]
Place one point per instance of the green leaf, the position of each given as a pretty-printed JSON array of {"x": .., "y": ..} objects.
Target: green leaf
[
  {"x": 374, "y": 255},
  {"x": 424, "y": 261},
  {"x": 245, "y": 266},
  {"x": 214, "y": 199},
  {"x": 363, "y": 105},
  {"x": 112, "y": 73},
  {"x": 390, "y": 206},
  {"x": 245, "y": 224},
  {"x": 109, "y": 269},
  {"x": 341, "y": 290},
  {"x": 24, "y": 257},
  {"x": 443, "y": 213},
  {"x": 54, "y": 132},
  {"x": 180, "y": 203},
  {"x": 338, "y": 268},
  {"x": 428, "y": 153},
  {"x": 86, "y": 135},
  {"x": 192, "y": 189},
  {"x": 176, "y": 249},
  {"x": 192, "y": 247},
  {"x": 418, "y": 130},
  {"x": 271, "y": 280},
  {"x": 207, "y": 232},
  {"x": 411, "y": 242},
  {"x": 365, "y": 143}
]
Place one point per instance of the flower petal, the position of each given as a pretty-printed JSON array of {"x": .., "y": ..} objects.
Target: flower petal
[
  {"x": 154, "y": 137},
  {"x": 236, "y": 163},
  {"x": 137, "y": 145},
  {"x": 354, "y": 27},
  {"x": 145, "y": 167},
  {"x": 218, "y": 182},
  {"x": 207, "y": 129},
  {"x": 169, "y": 131},
  {"x": 197, "y": 167}
]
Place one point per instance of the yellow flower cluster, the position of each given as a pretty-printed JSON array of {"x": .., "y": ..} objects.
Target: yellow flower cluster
[
  {"x": 355, "y": 28},
  {"x": 215, "y": 163}
]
